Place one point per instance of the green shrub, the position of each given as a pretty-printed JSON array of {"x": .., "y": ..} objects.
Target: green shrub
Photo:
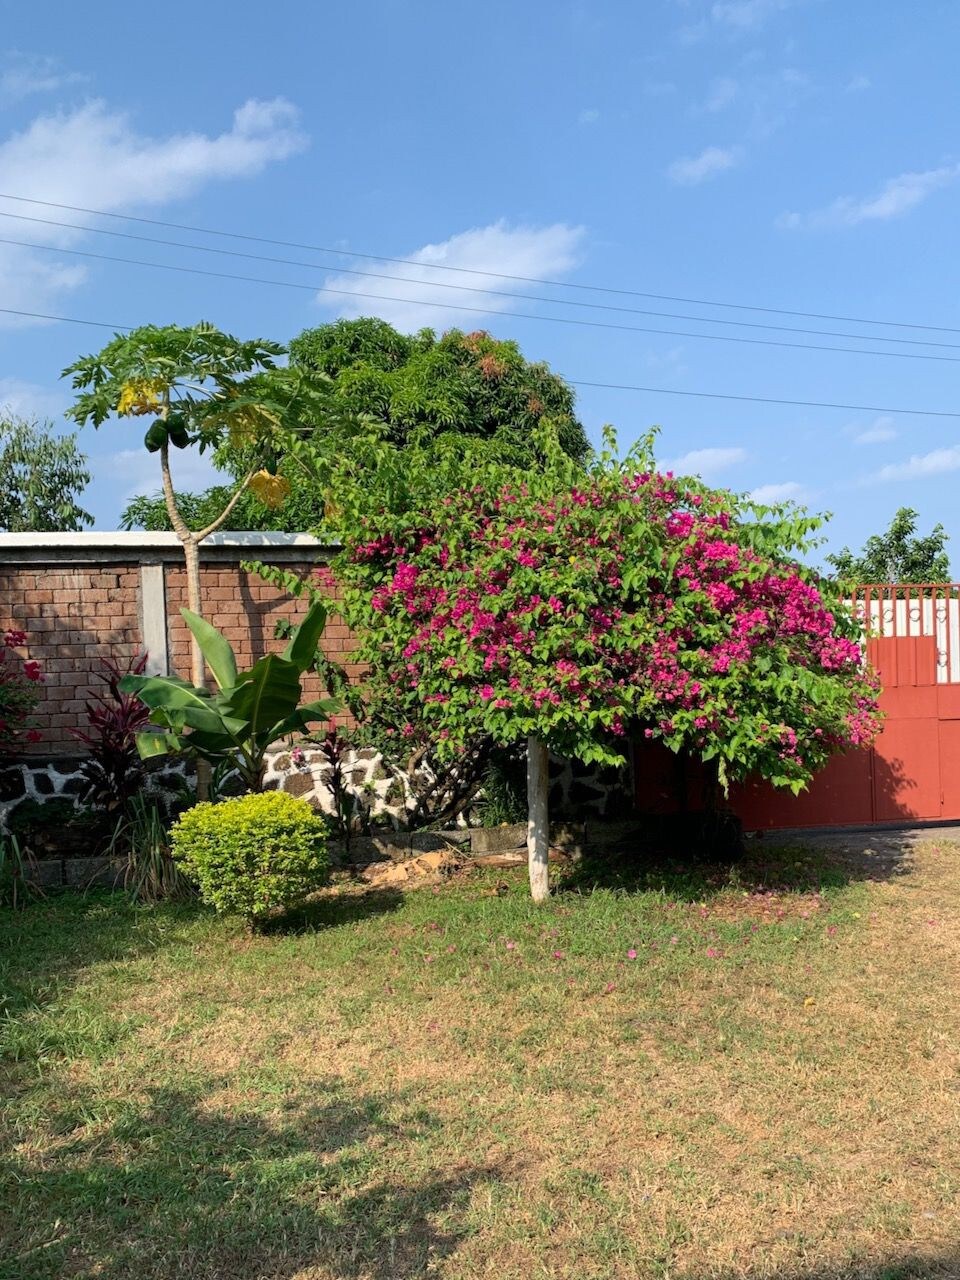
[{"x": 253, "y": 853}]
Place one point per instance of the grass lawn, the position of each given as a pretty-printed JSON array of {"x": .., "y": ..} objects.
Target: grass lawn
[{"x": 686, "y": 1077}]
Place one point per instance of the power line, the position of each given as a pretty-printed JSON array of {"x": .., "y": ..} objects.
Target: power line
[
  {"x": 474, "y": 289},
  {"x": 485, "y": 311},
  {"x": 610, "y": 386},
  {"x": 475, "y": 271},
  {"x": 42, "y": 315},
  {"x": 806, "y": 404}
]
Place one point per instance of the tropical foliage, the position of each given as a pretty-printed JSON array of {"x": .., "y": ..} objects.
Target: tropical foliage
[
  {"x": 202, "y": 387},
  {"x": 112, "y": 769},
  {"x": 249, "y": 711}
]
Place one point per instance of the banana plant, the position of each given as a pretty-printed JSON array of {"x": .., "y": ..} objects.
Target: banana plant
[{"x": 249, "y": 710}]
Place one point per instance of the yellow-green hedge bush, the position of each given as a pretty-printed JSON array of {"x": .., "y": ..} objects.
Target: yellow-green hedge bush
[{"x": 253, "y": 853}]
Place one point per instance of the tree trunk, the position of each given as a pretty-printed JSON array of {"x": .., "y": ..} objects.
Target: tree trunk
[
  {"x": 538, "y": 832},
  {"x": 191, "y": 554}
]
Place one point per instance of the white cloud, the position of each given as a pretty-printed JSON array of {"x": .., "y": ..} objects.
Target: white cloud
[
  {"x": 29, "y": 400},
  {"x": 770, "y": 494},
  {"x": 746, "y": 15},
  {"x": 404, "y": 300},
  {"x": 23, "y": 74},
  {"x": 897, "y": 196},
  {"x": 589, "y": 116},
  {"x": 880, "y": 430},
  {"x": 857, "y": 84},
  {"x": 134, "y": 471},
  {"x": 722, "y": 93},
  {"x": 92, "y": 156},
  {"x": 712, "y": 160},
  {"x": 731, "y": 18},
  {"x": 705, "y": 462},
  {"x": 921, "y": 465}
]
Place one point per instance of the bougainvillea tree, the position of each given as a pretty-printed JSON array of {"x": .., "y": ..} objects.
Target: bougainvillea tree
[
  {"x": 570, "y": 608},
  {"x": 20, "y": 678}
]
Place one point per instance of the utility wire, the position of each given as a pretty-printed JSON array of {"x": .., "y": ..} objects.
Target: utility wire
[
  {"x": 475, "y": 271},
  {"x": 478, "y": 289},
  {"x": 486, "y": 311},
  {"x": 609, "y": 386}
]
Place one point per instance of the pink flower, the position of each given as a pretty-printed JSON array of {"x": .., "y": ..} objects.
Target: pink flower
[
  {"x": 558, "y": 955},
  {"x": 510, "y": 945},
  {"x": 632, "y": 954}
]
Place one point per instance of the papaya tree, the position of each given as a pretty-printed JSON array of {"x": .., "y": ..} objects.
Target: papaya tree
[
  {"x": 202, "y": 387},
  {"x": 569, "y": 608}
]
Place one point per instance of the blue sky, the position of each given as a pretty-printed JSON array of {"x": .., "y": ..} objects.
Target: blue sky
[{"x": 791, "y": 154}]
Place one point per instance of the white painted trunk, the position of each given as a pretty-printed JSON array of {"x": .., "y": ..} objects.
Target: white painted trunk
[{"x": 538, "y": 831}]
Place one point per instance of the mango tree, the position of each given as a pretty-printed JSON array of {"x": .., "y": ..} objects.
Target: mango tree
[{"x": 569, "y": 608}]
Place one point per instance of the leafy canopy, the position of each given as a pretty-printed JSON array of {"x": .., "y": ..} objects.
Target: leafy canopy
[
  {"x": 403, "y": 388},
  {"x": 207, "y": 388},
  {"x": 899, "y": 554},
  {"x": 41, "y": 478},
  {"x": 470, "y": 383},
  {"x": 575, "y": 605}
]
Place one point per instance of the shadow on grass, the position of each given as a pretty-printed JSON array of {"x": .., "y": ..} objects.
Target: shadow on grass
[
  {"x": 180, "y": 1186},
  {"x": 332, "y": 909},
  {"x": 763, "y": 867},
  {"x": 45, "y": 945}
]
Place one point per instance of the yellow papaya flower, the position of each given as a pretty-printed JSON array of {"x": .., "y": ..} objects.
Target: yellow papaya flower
[
  {"x": 140, "y": 395},
  {"x": 244, "y": 424},
  {"x": 271, "y": 490}
]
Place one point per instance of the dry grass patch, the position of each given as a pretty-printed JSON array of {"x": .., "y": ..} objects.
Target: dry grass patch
[{"x": 711, "y": 1074}]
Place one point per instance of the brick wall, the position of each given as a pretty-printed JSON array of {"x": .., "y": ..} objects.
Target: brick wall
[{"x": 82, "y": 596}]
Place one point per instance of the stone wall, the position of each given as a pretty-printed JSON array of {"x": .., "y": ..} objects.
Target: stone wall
[{"x": 381, "y": 793}]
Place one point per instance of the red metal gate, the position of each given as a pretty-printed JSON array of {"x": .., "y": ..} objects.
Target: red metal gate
[{"x": 912, "y": 772}]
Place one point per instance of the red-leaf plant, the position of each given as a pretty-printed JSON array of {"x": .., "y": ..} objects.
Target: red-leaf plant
[{"x": 113, "y": 771}]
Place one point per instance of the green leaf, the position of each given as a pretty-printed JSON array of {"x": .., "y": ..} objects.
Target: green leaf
[
  {"x": 266, "y": 694},
  {"x": 150, "y": 745},
  {"x": 303, "y": 643},
  {"x": 215, "y": 648},
  {"x": 178, "y": 701}
]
